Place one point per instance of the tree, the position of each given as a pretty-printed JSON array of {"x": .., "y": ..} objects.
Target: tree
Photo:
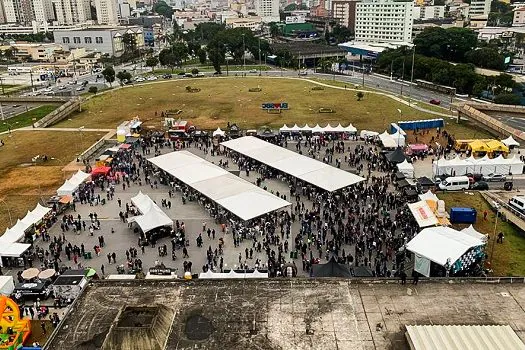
[
  {"x": 341, "y": 33},
  {"x": 109, "y": 74},
  {"x": 449, "y": 44},
  {"x": 163, "y": 9},
  {"x": 486, "y": 57},
  {"x": 360, "y": 95},
  {"x": 194, "y": 71},
  {"x": 130, "y": 44},
  {"x": 123, "y": 76},
  {"x": 507, "y": 99},
  {"x": 93, "y": 90},
  {"x": 152, "y": 62},
  {"x": 274, "y": 29},
  {"x": 202, "y": 55}
]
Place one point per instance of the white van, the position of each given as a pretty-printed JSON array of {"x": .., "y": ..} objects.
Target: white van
[
  {"x": 518, "y": 203},
  {"x": 455, "y": 183}
]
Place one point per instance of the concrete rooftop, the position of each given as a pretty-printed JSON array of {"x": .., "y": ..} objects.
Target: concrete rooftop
[{"x": 281, "y": 313}]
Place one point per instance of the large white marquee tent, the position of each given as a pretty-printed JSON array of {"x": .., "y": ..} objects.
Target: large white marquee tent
[
  {"x": 459, "y": 166},
  {"x": 312, "y": 171},
  {"x": 151, "y": 215},
  {"x": 240, "y": 197}
]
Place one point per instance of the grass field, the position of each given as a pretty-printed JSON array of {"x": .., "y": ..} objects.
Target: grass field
[
  {"x": 23, "y": 182},
  {"x": 509, "y": 259},
  {"x": 27, "y": 118}
]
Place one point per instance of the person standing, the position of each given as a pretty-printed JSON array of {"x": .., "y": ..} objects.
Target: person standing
[
  {"x": 102, "y": 269},
  {"x": 403, "y": 277}
]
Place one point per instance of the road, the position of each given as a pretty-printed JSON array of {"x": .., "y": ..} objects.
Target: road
[
  {"x": 514, "y": 120},
  {"x": 11, "y": 109}
]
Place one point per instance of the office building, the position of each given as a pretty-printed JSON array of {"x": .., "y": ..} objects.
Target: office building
[
  {"x": 104, "y": 40},
  {"x": 429, "y": 12},
  {"x": 268, "y": 10},
  {"x": 479, "y": 8},
  {"x": 107, "y": 12},
  {"x": 69, "y": 12},
  {"x": 344, "y": 11},
  {"x": 384, "y": 21}
]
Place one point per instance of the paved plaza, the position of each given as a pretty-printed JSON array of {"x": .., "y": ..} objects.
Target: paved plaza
[{"x": 191, "y": 213}]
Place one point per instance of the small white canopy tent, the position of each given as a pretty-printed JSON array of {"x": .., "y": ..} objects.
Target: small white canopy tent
[
  {"x": 153, "y": 219},
  {"x": 441, "y": 244},
  {"x": 387, "y": 140},
  {"x": 399, "y": 139},
  {"x": 329, "y": 128},
  {"x": 306, "y": 128},
  {"x": 142, "y": 202},
  {"x": 471, "y": 231},
  {"x": 339, "y": 128},
  {"x": 351, "y": 129},
  {"x": 80, "y": 177},
  {"x": 232, "y": 275},
  {"x": 406, "y": 168},
  {"x": 295, "y": 128},
  {"x": 66, "y": 189},
  {"x": 284, "y": 128},
  {"x": 510, "y": 142},
  {"x": 14, "y": 250},
  {"x": 428, "y": 196},
  {"x": 317, "y": 129},
  {"x": 218, "y": 132}
]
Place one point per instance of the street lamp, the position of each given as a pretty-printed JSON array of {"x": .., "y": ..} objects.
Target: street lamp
[
  {"x": 8, "y": 212},
  {"x": 498, "y": 207}
]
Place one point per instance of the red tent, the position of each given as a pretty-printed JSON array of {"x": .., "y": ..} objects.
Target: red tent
[{"x": 101, "y": 170}]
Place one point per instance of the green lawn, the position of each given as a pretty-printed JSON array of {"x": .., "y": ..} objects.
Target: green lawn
[
  {"x": 509, "y": 257},
  {"x": 27, "y": 118}
]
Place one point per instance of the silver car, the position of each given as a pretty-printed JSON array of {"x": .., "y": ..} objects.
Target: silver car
[{"x": 494, "y": 178}]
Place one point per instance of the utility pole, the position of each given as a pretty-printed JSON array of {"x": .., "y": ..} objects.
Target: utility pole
[
  {"x": 402, "y": 77},
  {"x": 391, "y": 68},
  {"x": 260, "y": 67},
  {"x": 243, "y": 55},
  {"x": 411, "y": 75}
]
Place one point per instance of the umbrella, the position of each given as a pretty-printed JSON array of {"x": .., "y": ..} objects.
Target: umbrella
[
  {"x": 91, "y": 273},
  {"x": 46, "y": 274},
  {"x": 30, "y": 273}
]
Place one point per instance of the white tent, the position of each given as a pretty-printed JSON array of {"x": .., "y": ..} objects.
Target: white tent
[
  {"x": 306, "y": 128},
  {"x": 471, "y": 231},
  {"x": 364, "y": 134},
  {"x": 14, "y": 250},
  {"x": 317, "y": 129},
  {"x": 295, "y": 128},
  {"x": 351, "y": 129},
  {"x": 67, "y": 188},
  {"x": 339, "y": 128},
  {"x": 154, "y": 218},
  {"x": 232, "y": 275},
  {"x": 399, "y": 139},
  {"x": 305, "y": 168},
  {"x": 428, "y": 196},
  {"x": 423, "y": 214},
  {"x": 387, "y": 140},
  {"x": 40, "y": 211},
  {"x": 7, "y": 285},
  {"x": 218, "y": 132},
  {"x": 329, "y": 128},
  {"x": 30, "y": 219},
  {"x": 484, "y": 166},
  {"x": 80, "y": 177},
  {"x": 284, "y": 128},
  {"x": 510, "y": 142},
  {"x": 406, "y": 168},
  {"x": 441, "y": 244},
  {"x": 10, "y": 236},
  {"x": 142, "y": 202}
]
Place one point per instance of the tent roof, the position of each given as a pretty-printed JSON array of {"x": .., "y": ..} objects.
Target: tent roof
[
  {"x": 236, "y": 195},
  {"x": 438, "y": 244},
  {"x": 425, "y": 181},
  {"x": 397, "y": 156},
  {"x": 474, "y": 233},
  {"x": 331, "y": 269},
  {"x": 317, "y": 129},
  {"x": 218, "y": 132},
  {"x": 496, "y": 145},
  {"x": 305, "y": 168},
  {"x": 101, "y": 170},
  {"x": 405, "y": 165},
  {"x": 154, "y": 218},
  {"x": 13, "y": 250},
  {"x": 428, "y": 196},
  {"x": 509, "y": 141},
  {"x": 350, "y": 128}
]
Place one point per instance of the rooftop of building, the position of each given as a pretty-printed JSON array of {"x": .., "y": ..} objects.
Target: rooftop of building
[
  {"x": 279, "y": 313},
  {"x": 306, "y": 48},
  {"x": 98, "y": 28}
]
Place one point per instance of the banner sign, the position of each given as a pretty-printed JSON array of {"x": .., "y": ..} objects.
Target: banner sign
[{"x": 282, "y": 105}]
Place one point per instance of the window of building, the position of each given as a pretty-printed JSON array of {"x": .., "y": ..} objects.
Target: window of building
[
  {"x": 87, "y": 40},
  {"x": 99, "y": 40},
  {"x": 65, "y": 40},
  {"x": 76, "y": 39}
]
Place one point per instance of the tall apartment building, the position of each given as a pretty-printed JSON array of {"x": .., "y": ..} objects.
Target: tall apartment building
[
  {"x": 383, "y": 21},
  {"x": 479, "y": 8},
  {"x": 107, "y": 12},
  {"x": 43, "y": 10},
  {"x": 2, "y": 13},
  {"x": 268, "y": 10},
  {"x": 68, "y": 12},
  {"x": 344, "y": 11},
  {"x": 429, "y": 12},
  {"x": 19, "y": 11}
]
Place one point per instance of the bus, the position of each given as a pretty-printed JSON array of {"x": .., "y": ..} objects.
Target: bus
[{"x": 447, "y": 90}]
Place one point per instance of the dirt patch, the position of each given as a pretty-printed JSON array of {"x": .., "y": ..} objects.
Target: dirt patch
[{"x": 198, "y": 327}]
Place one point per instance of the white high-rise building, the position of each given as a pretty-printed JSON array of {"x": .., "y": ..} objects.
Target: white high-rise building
[
  {"x": 107, "y": 12},
  {"x": 383, "y": 21},
  {"x": 268, "y": 10},
  {"x": 479, "y": 8},
  {"x": 43, "y": 10},
  {"x": 72, "y": 11},
  {"x": 18, "y": 11}
]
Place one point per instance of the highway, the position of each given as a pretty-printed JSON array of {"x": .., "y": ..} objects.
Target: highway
[{"x": 11, "y": 109}]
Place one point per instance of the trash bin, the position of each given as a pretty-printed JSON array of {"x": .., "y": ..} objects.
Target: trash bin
[
  {"x": 88, "y": 255},
  {"x": 291, "y": 254},
  {"x": 295, "y": 254}
]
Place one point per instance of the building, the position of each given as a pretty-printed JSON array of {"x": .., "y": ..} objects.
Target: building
[
  {"x": 35, "y": 28},
  {"x": 344, "y": 11},
  {"x": 34, "y": 52},
  {"x": 43, "y": 11},
  {"x": 519, "y": 17},
  {"x": 124, "y": 10},
  {"x": 107, "y": 12},
  {"x": 428, "y": 12},
  {"x": 479, "y": 8},
  {"x": 253, "y": 23},
  {"x": 268, "y": 10},
  {"x": 2, "y": 13},
  {"x": 384, "y": 21},
  {"x": 105, "y": 40},
  {"x": 18, "y": 11},
  {"x": 478, "y": 22},
  {"x": 69, "y": 12}
]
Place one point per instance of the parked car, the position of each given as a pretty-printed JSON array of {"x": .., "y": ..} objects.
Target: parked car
[
  {"x": 80, "y": 88},
  {"x": 494, "y": 178},
  {"x": 139, "y": 79},
  {"x": 151, "y": 78},
  {"x": 61, "y": 87},
  {"x": 480, "y": 186},
  {"x": 253, "y": 70},
  {"x": 167, "y": 76},
  {"x": 435, "y": 102}
]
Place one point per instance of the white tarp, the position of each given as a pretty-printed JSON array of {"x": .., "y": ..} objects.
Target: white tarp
[
  {"x": 304, "y": 168},
  {"x": 7, "y": 285},
  {"x": 406, "y": 168},
  {"x": 422, "y": 265},
  {"x": 423, "y": 214},
  {"x": 484, "y": 166},
  {"x": 439, "y": 244},
  {"x": 471, "y": 231},
  {"x": 240, "y": 197},
  {"x": 510, "y": 142}
]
